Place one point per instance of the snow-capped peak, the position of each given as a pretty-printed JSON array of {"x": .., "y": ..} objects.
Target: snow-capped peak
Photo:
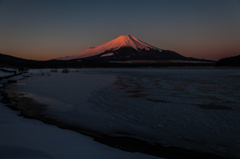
[
  {"x": 121, "y": 41},
  {"x": 130, "y": 41}
]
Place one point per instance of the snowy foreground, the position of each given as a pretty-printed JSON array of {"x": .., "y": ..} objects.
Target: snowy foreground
[
  {"x": 195, "y": 109},
  {"x": 22, "y": 138},
  {"x": 32, "y": 139}
]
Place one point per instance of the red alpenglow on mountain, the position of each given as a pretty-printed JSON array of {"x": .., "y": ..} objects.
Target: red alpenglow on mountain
[{"x": 124, "y": 48}]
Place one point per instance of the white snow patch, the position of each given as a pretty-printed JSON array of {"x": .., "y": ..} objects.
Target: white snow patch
[{"x": 108, "y": 54}]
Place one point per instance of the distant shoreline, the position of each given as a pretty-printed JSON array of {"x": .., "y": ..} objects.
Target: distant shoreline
[{"x": 10, "y": 61}]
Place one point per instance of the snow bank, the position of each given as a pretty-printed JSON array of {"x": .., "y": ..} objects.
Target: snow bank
[{"x": 24, "y": 138}]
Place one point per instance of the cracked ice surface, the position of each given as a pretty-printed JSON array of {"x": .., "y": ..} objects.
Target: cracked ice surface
[{"x": 192, "y": 108}]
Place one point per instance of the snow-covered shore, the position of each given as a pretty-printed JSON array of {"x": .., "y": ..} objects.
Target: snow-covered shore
[{"x": 24, "y": 138}]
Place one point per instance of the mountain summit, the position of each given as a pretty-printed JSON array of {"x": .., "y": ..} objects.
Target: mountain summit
[{"x": 125, "y": 47}]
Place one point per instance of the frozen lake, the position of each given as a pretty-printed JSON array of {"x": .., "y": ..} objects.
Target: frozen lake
[{"x": 196, "y": 109}]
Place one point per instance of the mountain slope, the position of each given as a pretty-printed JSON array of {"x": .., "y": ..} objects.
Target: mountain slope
[{"x": 125, "y": 47}]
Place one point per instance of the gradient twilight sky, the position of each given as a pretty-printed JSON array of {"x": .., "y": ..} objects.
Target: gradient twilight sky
[{"x": 47, "y": 29}]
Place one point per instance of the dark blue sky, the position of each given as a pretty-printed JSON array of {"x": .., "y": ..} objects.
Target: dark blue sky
[{"x": 45, "y": 29}]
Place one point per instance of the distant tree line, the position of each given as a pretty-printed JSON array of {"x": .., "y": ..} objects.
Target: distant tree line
[{"x": 229, "y": 62}]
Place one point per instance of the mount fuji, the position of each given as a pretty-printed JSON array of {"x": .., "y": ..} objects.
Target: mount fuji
[
  {"x": 125, "y": 48},
  {"x": 124, "y": 51}
]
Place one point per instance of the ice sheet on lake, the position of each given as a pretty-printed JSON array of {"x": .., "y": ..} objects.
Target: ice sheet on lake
[{"x": 191, "y": 108}]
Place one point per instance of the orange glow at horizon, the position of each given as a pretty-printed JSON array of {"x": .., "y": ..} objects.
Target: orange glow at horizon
[{"x": 40, "y": 30}]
